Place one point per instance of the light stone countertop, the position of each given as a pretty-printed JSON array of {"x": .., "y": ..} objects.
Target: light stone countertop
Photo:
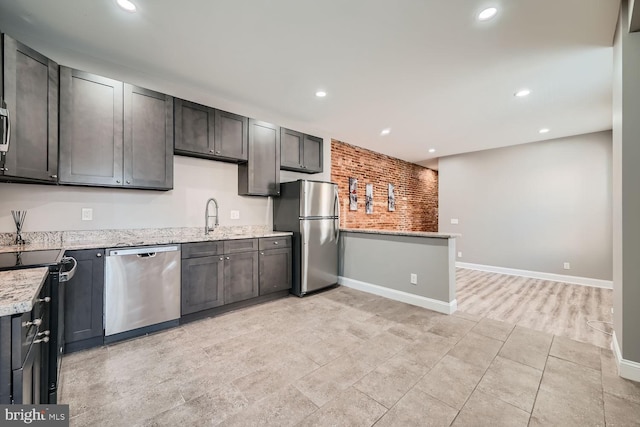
[
  {"x": 18, "y": 289},
  {"x": 72, "y": 240},
  {"x": 431, "y": 234}
]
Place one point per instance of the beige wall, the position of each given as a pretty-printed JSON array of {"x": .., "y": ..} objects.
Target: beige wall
[
  {"x": 59, "y": 207},
  {"x": 626, "y": 133},
  {"x": 533, "y": 206}
]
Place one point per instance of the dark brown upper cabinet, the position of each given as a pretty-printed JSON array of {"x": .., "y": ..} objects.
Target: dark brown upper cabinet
[
  {"x": 260, "y": 175},
  {"x": 300, "y": 152},
  {"x": 91, "y": 129},
  {"x": 114, "y": 134},
  {"x": 148, "y": 138},
  {"x": 205, "y": 132},
  {"x": 29, "y": 88}
]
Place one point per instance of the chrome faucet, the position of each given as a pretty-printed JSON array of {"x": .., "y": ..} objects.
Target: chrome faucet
[{"x": 207, "y": 229}]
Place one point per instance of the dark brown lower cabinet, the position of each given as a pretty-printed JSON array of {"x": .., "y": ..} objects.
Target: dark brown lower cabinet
[
  {"x": 83, "y": 301},
  {"x": 202, "y": 283},
  {"x": 240, "y": 276},
  {"x": 218, "y": 273},
  {"x": 275, "y": 270}
]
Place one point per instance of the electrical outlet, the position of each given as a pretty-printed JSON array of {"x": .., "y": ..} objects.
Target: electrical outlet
[
  {"x": 235, "y": 214},
  {"x": 459, "y": 254},
  {"x": 414, "y": 279},
  {"x": 87, "y": 214},
  {"x": 454, "y": 220},
  {"x": 567, "y": 266}
]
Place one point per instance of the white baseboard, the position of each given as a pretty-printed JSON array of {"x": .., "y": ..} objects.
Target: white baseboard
[
  {"x": 626, "y": 368},
  {"x": 574, "y": 280},
  {"x": 420, "y": 301}
]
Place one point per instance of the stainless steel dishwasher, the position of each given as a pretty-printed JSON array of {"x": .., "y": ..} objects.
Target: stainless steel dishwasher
[{"x": 142, "y": 288}]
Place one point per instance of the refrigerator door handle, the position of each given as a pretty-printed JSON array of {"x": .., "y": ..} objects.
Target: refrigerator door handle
[{"x": 336, "y": 211}]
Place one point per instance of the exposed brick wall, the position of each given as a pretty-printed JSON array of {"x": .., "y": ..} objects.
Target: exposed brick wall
[{"x": 416, "y": 190}]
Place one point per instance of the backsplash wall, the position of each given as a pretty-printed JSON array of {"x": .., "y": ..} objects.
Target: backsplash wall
[
  {"x": 416, "y": 190},
  {"x": 58, "y": 208}
]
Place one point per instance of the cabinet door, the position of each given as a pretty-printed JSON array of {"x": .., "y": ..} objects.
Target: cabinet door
[
  {"x": 260, "y": 175},
  {"x": 5, "y": 360},
  {"x": 312, "y": 154},
  {"x": 31, "y": 95},
  {"x": 91, "y": 129},
  {"x": 291, "y": 143},
  {"x": 83, "y": 297},
  {"x": 275, "y": 270},
  {"x": 231, "y": 135},
  {"x": 194, "y": 126},
  {"x": 240, "y": 276},
  {"x": 148, "y": 138},
  {"x": 202, "y": 283}
]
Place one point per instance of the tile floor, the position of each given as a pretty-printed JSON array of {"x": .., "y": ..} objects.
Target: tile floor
[{"x": 347, "y": 358}]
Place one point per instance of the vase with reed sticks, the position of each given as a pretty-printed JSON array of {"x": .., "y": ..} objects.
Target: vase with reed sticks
[{"x": 18, "y": 218}]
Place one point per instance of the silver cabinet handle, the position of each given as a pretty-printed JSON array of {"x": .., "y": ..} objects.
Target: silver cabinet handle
[
  {"x": 128, "y": 182},
  {"x": 45, "y": 299},
  {"x": 227, "y": 258},
  {"x": 6, "y": 119},
  {"x": 275, "y": 243},
  {"x": 212, "y": 151},
  {"x": 36, "y": 322},
  {"x": 217, "y": 152},
  {"x": 221, "y": 258},
  {"x": 117, "y": 181},
  {"x": 99, "y": 255},
  {"x": 45, "y": 339},
  {"x": 53, "y": 176},
  {"x": 261, "y": 253}
]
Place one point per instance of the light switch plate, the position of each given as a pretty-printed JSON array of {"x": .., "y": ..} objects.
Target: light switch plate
[
  {"x": 413, "y": 279},
  {"x": 87, "y": 214},
  {"x": 235, "y": 214}
]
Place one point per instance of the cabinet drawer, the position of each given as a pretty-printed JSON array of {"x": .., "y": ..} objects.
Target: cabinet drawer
[
  {"x": 243, "y": 245},
  {"x": 201, "y": 249},
  {"x": 275, "y": 242}
]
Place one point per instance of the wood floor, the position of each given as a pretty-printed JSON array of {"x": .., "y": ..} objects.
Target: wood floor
[{"x": 552, "y": 307}]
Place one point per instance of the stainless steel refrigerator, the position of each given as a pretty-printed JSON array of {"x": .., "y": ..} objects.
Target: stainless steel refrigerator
[{"x": 310, "y": 209}]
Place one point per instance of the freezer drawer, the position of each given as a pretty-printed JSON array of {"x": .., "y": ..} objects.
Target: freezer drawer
[
  {"x": 319, "y": 254},
  {"x": 142, "y": 287}
]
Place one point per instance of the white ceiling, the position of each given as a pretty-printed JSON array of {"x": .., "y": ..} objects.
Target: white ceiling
[{"x": 427, "y": 69}]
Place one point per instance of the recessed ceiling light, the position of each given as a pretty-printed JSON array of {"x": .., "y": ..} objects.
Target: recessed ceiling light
[
  {"x": 127, "y": 5},
  {"x": 386, "y": 131},
  {"x": 321, "y": 94},
  {"x": 487, "y": 14},
  {"x": 543, "y": 130},
  {"x": 522, "y": 93},
  {"x": 432, "y": 150}
]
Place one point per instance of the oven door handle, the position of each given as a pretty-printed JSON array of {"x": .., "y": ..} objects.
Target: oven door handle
[{"x": 65, "y": 276}]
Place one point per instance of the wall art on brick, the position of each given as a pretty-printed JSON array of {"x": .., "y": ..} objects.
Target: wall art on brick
[
  {"x": 416, "y": 190},
  {"x": 353, "y": 194},
  {"x": 392, "y": 198},
  {"x": 368, "y": 199}
]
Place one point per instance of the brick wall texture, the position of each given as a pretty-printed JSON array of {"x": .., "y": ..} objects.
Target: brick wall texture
[{"x": 416, "y": 190}]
